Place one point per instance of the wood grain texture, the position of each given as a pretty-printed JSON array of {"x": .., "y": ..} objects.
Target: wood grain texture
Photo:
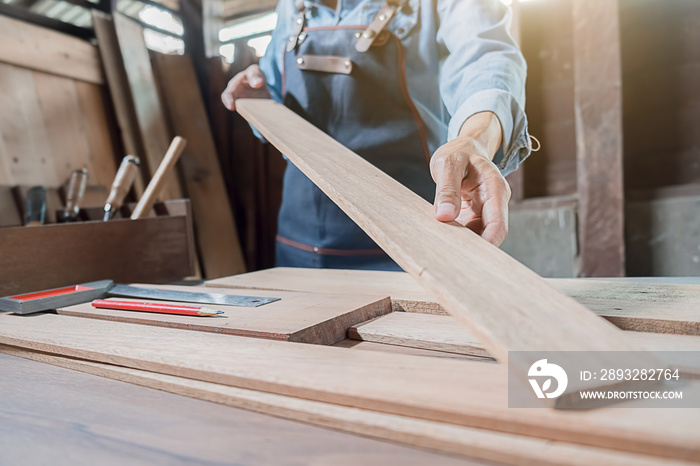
[
  {"x": 148, "y": 107},
  {"x": 598, "y": 110},
  {"x": 442, "y": 333},
  {"x": 390, "y": 348},
  {"x": 119, "y": 90},
  {"x": 303, "y": 317},
  {"x": 217, "y": 237},
  {"x": 42, "y": 49},
  {"x": 450, "y": 261},
  {"x": 50, "y": 256},
  {"x": 52, "y": 415},
  {"x": 27, "y": 151},
  {"x": 473, "y": 443},
  {"x": 49, "y": 126},
  {"x": 642, "y": 307},
  {"x": 460, "y": 392}
]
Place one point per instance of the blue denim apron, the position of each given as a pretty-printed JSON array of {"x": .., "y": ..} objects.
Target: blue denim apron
[{"x": 367, "y": 110}]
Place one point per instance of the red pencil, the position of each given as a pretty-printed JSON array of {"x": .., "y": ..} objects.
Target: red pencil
[{"x": 155, "y": 307}]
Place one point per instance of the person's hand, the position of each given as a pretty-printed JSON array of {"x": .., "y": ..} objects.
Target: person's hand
[
  {"x": 248, "y": 84},
  {"x": 470, "y": 188}
]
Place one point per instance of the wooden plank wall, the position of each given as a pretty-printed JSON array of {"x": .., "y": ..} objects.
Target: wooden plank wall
[{"x": 52, "y": 118}]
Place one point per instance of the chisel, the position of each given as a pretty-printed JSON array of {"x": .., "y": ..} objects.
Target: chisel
[
  {"x": 35, "y": 212},
  {"x": 151, "y": 193},
  {"x": 74, "y": 196},
  {"x": 67, "y": 296},
  {"x": 121, "y": 185}
]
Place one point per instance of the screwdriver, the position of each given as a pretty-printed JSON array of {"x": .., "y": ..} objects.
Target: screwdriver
[
  {"x": 121, "y": 185},
  {"x": 74, "y": 195}
]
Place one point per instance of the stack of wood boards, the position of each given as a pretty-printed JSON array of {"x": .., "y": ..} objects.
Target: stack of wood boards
[
  {"x": 154, "y": 101},
  {"x": 453, "y": 405}
]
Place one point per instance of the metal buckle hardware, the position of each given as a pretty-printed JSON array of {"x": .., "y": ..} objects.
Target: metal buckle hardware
[{"x": 368, "y": 36}]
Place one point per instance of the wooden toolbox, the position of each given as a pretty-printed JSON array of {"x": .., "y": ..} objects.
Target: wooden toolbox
[{"x": 156, "y": 249}]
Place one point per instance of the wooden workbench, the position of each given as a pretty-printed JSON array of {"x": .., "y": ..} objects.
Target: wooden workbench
[
  {"x": 51, "y": 415},
  {"x": 58, "y": 415}
]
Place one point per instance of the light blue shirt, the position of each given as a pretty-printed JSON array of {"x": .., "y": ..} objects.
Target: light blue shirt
[{"x": 460, "y": 60}]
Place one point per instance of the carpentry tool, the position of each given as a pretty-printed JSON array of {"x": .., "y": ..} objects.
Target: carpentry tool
[
  {"x": 85, "y": 292},
  {"x": 149, "y": 196},
  {"x": 74, "y": 196},
  {"x": 35, "y": 213},
  {"x": 155, "y": 307},
  {"x": 121, "y": 184}
]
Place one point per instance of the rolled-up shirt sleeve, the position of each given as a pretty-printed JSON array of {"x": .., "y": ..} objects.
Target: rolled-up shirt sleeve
[{"x": 483, "y": 70}]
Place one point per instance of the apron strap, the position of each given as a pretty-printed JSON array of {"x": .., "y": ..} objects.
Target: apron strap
[
  {"x": 385, "y": 15},
  {"x": 299, "y": 24}
]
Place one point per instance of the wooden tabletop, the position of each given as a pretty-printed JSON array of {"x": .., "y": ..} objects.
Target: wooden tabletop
[{"x": 51, "y": 415}]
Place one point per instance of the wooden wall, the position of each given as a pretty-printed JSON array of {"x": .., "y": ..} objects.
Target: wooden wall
[
  {"x": 586, "y": 60},
  {"x": 53, "y": 108}
]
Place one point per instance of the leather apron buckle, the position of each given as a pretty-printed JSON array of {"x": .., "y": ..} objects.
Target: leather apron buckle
[
  {"x": 373, "y": 31},
  {"x": 299, "y": 25},
  {"x": 324, "y": 63}
]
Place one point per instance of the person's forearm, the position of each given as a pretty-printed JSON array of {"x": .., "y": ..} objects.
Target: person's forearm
[{"x": 485, "y": 130}]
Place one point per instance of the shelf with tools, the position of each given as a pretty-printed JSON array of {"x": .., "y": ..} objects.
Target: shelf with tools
[{"x": 157, "y": 249}]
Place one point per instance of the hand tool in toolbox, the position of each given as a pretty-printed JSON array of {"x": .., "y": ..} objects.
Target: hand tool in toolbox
[
  {"x": 76, "y": 294},
  {"x": 150, "y": 195},
  {"x": 160, "y": 308},
  {"x": 121, "y": 184},
  {"x": 35, "y": 212},
  {"x": 74, "y": 196}
]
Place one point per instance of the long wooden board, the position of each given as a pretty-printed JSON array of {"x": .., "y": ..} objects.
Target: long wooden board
[
  {"x": 43, "y": 49},
  {"x": 473, "y": 443},
  {"x": 460, "y": 392},
  {"x": 303, "y": 317},
  {"x": 507, "y": 306},
  {"x": 391, "y": 348},
  {"x": 215, "y": 226},
  {"x": 119, "y": 89},
  {"x": 147, "y": 104},
  {"x": 442, "y": 333},
  {"x": 642, "y": 307}
]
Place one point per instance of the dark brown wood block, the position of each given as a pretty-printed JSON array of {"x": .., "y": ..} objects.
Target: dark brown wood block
[
  {"x": 157, "y": 249},
  {"x": 9, "y": 211},
  {"x": 598, "y": 109}
]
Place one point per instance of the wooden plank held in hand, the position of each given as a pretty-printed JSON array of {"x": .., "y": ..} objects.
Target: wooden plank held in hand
[
  {"x": 148, "y": 106},
  {"x": 507, "y": 306},
  {"x": 217, "y": 236}
]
